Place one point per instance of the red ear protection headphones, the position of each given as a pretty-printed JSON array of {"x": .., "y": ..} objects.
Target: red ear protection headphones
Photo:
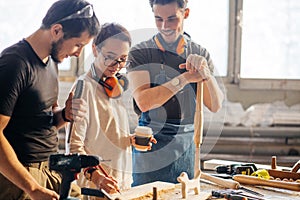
[{"x": 113, "y": 86}]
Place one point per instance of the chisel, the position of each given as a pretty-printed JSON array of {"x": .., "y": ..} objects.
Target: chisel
[{"x": 77, "y": 95}]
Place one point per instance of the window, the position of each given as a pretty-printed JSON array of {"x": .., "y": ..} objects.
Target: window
[
  {"x": 253, "y": 43},
  {"x": 208, "y": 20},
  {"x": 208, "y": 24},
  {"x": 267, "y": 43},
  {"x": 270, "y": 39},
  {"x": 19, "y": 19},
  {"x": 204, "y": 26}
]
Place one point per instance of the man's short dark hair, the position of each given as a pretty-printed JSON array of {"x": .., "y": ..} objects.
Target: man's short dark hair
[
  {"x": 181, "y": 3},
  {"x": 71, "y": 27}
]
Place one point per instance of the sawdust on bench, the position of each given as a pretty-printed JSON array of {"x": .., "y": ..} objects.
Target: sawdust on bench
[{"x": 160, "y": 194}]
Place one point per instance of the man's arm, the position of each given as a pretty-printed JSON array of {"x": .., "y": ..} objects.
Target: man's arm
[
  {"x": 149, "y": 98},
  {"x": 13, "y": 170},
  {"x": 58, "y": 118},
  {"x": 213, "y": 97},
  {"x": 197, "y": 70}
]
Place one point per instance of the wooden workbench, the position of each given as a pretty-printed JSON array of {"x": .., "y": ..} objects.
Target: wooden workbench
[{"x": 169, "y": 191}]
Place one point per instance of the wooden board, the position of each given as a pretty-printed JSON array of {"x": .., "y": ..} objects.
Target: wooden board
[
  {"x": 205, "y": 192},
  {"x": 142, "y": 190},
  {"x": 164, "y": 190}
]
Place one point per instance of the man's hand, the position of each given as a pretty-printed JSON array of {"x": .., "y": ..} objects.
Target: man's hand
[
  {"x": 75, "y": 109},
  {"x": 43, "y": 193},
  {"x": 197, "y": 68}
]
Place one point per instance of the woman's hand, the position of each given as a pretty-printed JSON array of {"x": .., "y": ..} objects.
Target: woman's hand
[
  {"x": 107, "y": 183},
  {"x": 152, "y": 140}
]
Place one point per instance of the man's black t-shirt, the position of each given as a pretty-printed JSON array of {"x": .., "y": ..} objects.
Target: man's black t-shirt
[{"x": 28, "y": 89}]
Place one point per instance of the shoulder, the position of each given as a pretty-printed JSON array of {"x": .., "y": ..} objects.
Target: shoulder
[
  {"x": 197, "y": 48},
  {"x": 194, "y": 46},
  {"x": 142, "y": 53},
  {"x": 15, "y": 58},
  {"x": 14, "y": 67},
  {"x": 144, "y": 44}
]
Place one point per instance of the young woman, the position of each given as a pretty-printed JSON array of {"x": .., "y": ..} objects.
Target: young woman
[{"x": 105, "y": 131}]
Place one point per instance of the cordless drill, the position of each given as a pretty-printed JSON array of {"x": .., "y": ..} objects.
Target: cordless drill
[{"x": 69, "y": 165}]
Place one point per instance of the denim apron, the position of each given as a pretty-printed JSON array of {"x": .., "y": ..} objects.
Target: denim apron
[
  {"x": 173, "y": 154},
  {"x": 173, "y": 128}
]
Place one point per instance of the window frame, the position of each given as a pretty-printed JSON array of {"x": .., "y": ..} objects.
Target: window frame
[
  {"x": 234, "y": 63},
  {"x": 234, "y": 58}
]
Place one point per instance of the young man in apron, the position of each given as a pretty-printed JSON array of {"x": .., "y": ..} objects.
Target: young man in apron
[{"x": 163, "y": 74}]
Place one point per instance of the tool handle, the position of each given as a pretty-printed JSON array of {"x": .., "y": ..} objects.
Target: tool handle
[
  {"x": 252, "y": 180},
  {"x": 77, "y": 95},
  {"x": 79, "y": 89},
  {"x": 198, "y": 118},
  {"x": 67, "y": 178},
  {"x": 198, "y": 126},
  {"x": 227, "y": 183},
  {"x": 92, "y": 192}
]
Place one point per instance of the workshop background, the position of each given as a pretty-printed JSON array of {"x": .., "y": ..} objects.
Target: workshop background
[{"x": 255, "y": 46}]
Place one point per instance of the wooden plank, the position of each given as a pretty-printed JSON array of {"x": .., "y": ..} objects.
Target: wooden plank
[
  {"x": 164, "y": 190},
  {"x": 143, "y": 190},
  {"x": 206, "y": 189}
]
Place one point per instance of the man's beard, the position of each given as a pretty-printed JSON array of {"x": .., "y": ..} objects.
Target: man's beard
[{"x": 55, "y": 48}]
